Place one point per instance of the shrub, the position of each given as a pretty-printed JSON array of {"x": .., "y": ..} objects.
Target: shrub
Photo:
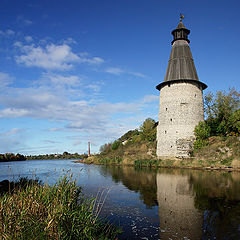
[
  {"x": 202, "y": 131},
  {"x": 115, "y": 145},
  {"x": 199, "y": 143}
]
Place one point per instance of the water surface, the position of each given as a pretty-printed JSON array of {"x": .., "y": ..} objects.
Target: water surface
[{"x": 151, "y": 204}]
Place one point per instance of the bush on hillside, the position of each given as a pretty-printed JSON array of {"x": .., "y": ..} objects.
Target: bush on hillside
[
  {"x": 202, "y": 131},
  {"x": 148, "y": 130},
  {"x": 115, "y": 145},
  {"x": 129, "y": 135}
]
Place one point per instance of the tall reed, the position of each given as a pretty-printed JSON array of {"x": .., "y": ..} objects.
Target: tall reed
[{"x": 35, "y": 211}]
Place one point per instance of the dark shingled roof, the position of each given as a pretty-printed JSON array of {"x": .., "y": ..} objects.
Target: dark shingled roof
[{"x": 180, "y": 65}]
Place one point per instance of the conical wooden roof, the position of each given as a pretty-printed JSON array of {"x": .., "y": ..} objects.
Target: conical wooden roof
[{"x": 181, "y": 66}]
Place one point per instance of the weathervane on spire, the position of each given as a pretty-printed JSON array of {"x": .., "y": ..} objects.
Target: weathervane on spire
[{"x": 181, "y": 17}]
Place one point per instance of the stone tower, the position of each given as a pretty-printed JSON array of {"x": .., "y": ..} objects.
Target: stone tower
[{"x": 181, "y": 99}]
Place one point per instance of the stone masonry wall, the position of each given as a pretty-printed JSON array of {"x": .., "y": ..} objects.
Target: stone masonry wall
[{"x": 180, "y": 110}]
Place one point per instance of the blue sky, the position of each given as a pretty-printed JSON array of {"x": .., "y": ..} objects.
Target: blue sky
[{"x": 86, "y": 70}]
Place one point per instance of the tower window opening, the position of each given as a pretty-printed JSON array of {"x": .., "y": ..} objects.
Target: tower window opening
[
  {"x": 171, "y": 119},
  {"x": 195, "y": 95},
  {"x": 165, "y": 132},
  {"x": 171, "y": 146},
  {"x": 166, "y": 109}
]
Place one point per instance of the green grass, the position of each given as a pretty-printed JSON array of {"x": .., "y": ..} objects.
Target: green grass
[
  {"x": 227, "y": 161},
  {"x": 146, "y": 163},
  {"x": 107, "y": 160},
  {"x": 34, "y": 211}
]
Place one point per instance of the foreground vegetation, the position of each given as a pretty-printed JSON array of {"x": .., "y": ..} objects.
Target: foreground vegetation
[
  {"x": 34, "y": 211},
  {"x": 217, "y": 142}
]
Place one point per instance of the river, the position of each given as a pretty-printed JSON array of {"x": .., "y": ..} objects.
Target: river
[{"x": 150, "y": 203}]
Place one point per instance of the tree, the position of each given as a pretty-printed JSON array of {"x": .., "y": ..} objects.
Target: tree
[
  {"x": 222, "y": 116},
  {"x": 220, "y": 111},
  {"x": 115, "y": 145},
  {"x": 148, "y": 130},
  {"x": 202, "y": 132},
  {"x": 105, "y": 148}
]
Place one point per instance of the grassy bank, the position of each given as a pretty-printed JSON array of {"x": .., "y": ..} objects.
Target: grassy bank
[
  {"x": 219, "y": 153},
  {"x": 34, "y": 211}
]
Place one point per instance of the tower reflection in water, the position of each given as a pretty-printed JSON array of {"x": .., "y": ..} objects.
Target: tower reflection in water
[
  {"x": 192, "y": 204},
  {"x": 198, "y": 204},
  {"x": 178, "y": 216}
]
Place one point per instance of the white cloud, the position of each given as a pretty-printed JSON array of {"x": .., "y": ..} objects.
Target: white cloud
[
  {"x": 64, "y": 80},
  {"x": 5, "y": 79},
  {"x": 18, "y": 44},
  {"x": 27, "y": 22},
  {"x": 13, "y": 112},
  {"x": 11, "y": 132},
  {"x": 118, "y": 71},
  {"x": 24, "y": 21},
  {"x": 11, "y": 140},
  {"x": 52, "y": 57},
  {"x": 94, "y": 60},
  {"x": 85, "y": 58},
  {"x": 137, "y": 74},
  {"x": 115, "y": 71},
  {"x": 46, "y": 103},
  {"x": 150, "y": 98},
  {"x": 54, "y": 129},
  {"x": 28, "y": 39},
  {"x": 69, "y": 41},
  {"x": 58, "y": 57},
  {"x": 7, "y": 33},
  {"x": 94, "y": 87},
  {"x": 10, "y": 32}
]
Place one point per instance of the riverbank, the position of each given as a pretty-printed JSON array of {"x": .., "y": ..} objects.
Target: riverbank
[
  {"x": 30, "y": 210},
  {"x": 219, "y": 154},
  {"x": 189, "y": 163}
]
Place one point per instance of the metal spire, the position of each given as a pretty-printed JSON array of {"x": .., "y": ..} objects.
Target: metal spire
[{"x": 181, "y": 17}]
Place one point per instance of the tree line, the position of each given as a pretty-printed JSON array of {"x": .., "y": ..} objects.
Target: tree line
[
  {"x": 7, "y": 157},
  {"x": 64, "y": 155}
]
